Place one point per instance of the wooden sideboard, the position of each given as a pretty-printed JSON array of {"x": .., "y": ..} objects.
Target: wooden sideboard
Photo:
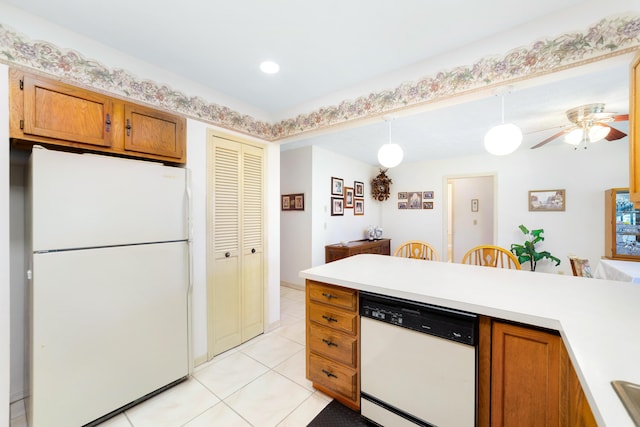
[{"x": 338, "y": 251}]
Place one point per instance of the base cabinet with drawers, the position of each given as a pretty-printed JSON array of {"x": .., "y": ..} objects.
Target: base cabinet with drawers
[{"x": 332, "y": 341}]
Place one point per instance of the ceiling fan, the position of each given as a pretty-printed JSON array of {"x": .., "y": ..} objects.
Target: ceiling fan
[{"x": 589, "y": 124}]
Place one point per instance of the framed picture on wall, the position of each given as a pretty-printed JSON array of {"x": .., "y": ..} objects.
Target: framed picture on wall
[
  {"x": 358, "y": 189},
  {"x": 293, "y": 202},
  {"x": 415, "y": 199},
  {"x": 547, "y": 200},
  {"x": 337, "y": 186},
  {"x": 427, "y": 205},
  {"x": 348, "y": 197},
  {"x": 428, "y": 195},
  {"x": 358, "y": 208},
  {"x": 337, "y": 206}
]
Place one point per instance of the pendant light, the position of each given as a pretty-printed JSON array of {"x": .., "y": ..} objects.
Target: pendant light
[
  {"x": 504, "y": 138},
  {"x": 390, "y": 154}
]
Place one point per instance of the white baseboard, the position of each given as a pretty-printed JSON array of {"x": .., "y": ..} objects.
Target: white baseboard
[{"x": 292, "y": 286}]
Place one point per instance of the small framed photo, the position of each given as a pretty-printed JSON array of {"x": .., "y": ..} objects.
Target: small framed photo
[
  {"x": 337, "y": 206},
  {"x": 348, "y": 197},
  {"x": 358, "y": 208},
  {"x": 402, "y": 195},
  {"x": 286, "y": 202},
  {"x": 403, "y": 205},
  {"x": 292, "y": 202},
  {"x": 337, "y": 186},
  {"x": 427, "y": 195},
  {"x": 474, "y": 205},
  {"x": 358, "y": 189},
  {"x": 427, "y": 205},
  {"x": 415, "y": 199},
  {"x": 547, "y": 200}
]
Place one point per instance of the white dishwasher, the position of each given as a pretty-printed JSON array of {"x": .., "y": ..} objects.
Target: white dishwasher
[{"x": 418, "y": 363}]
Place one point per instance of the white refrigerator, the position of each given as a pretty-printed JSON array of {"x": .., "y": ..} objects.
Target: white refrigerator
[{"x": 109, "y": 288}]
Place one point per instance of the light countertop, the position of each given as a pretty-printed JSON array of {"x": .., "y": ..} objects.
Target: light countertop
[{"x": 599, "y": 320}]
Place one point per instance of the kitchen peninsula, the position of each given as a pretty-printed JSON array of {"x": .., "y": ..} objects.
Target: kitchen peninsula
[{"x": 597, "y": 319}]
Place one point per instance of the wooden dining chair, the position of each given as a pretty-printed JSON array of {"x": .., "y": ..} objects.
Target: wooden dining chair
[
  {"x": 491, "y": 256},
  {"x": 580, "y": 267},
  {"x": 417, "y": 249}
]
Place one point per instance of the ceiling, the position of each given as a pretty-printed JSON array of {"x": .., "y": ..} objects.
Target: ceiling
[{"x": 333, "y": 46}]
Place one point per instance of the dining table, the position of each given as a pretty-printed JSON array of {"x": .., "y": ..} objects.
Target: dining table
[{"x": 620, "y": 270}]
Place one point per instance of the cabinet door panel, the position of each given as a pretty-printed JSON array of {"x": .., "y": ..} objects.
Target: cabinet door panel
[
  {"x": 60, "y": 111},
  {"x": 525, "y": 384},
  {"x": 153, "y": 132}
]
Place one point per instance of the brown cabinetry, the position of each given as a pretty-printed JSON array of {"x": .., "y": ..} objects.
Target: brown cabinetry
[
  {"x": 338, "y": 251},
  {"x": 634, "y": 132},
  {"x": 621, "y": 226},
  {"x": 532, "y": 380},
  {"x": 48, "y": 112},
  {"x": 332, "y": 338}
]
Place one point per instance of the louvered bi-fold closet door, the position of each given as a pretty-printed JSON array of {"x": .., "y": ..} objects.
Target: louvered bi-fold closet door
[
  {"x": 234, "y": 243},
  {"x": 252, "y": 242}
]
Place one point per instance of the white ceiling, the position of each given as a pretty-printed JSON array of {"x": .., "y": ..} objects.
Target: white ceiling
[{"x": 333, "y": 45}]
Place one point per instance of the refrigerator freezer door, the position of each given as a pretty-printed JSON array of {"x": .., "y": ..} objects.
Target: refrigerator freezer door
[
  {"x": 109, "y": 326},
  {"x": 86, "y": 200}
]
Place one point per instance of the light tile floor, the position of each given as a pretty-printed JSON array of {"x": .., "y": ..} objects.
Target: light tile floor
[{"x": 260, "y": 383}]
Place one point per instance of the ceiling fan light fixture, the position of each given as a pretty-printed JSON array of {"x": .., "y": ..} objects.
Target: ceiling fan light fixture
[
  {"x": 598, "y": 132},
  {"x": 574, "y": 137},
  {"x": 503, "y": 139},
  {"x": 390, "y": 155}
]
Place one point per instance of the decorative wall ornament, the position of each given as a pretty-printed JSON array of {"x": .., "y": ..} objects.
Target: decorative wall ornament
[
  {"x": 612, "y": 36},
  {"x": 380, "y": 186}
]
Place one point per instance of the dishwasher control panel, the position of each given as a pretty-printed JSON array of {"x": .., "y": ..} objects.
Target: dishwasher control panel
[{"x": 442, "y": 322}]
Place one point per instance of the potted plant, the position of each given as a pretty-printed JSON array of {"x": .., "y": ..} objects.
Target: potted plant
[{"x": 527, "y": 251}]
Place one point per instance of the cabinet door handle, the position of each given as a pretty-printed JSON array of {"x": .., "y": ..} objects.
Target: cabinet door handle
[
  {"x": 253, "y": 250},
  {"x": 128, "y": 127},
  {"x": 329, "y": 318},
  {"x": 227, "y": 254},
  {"x": 329, "y": 296},
  {"x": 329, "y": 374},
  {"x": 329, "y": 342},
  {"x": 108, "y": 123}
]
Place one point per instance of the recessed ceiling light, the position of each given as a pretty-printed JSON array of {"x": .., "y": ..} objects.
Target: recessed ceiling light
[{"x": 269, "y": 67}]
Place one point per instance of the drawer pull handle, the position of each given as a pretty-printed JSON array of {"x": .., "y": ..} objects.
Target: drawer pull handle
[
  {"x": 329, "y": 342},
  {"x": 329, "y": 296},
  {"x": 329, "y": 318},
  {"x": 329, "y": 374}
]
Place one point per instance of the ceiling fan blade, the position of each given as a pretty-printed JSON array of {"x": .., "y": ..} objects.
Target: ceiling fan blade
[
  {"x": 620, "y": 118},
  {"x": 614, "y": 134},
  {"x": 551, "y": 138}
]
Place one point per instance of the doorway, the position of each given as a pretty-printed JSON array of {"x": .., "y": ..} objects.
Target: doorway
[{"x": 470, "y": 214}]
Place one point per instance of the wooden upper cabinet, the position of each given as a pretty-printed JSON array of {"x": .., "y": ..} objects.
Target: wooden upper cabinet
[
  {"x": 60, "y": 111},
  {"x": 153, "y": 132},
  {"x": 634, "y": 132},
  {"x": 51, "y": 113}
]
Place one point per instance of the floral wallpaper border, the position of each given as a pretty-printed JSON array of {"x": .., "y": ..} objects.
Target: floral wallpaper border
[{"x": 610, "y": 37}]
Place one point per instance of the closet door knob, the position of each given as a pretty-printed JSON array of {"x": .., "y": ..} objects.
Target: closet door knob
[
  {"x": 253, "y": 250},
  {"x": 227, "y": 254}
]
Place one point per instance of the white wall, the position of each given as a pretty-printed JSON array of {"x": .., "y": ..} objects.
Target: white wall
[
  {"x": 304, "y": 235},
  {"x": 471, "y": 228},
  {"x": 5, "y": 279},
  {"x": 585, "y": 174},
  {"x": 296, "y": 226},
  {"x": 329, "y": 229}
]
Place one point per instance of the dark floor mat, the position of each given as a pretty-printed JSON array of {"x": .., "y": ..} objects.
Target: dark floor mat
[{"x": 336, "y": 414}]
